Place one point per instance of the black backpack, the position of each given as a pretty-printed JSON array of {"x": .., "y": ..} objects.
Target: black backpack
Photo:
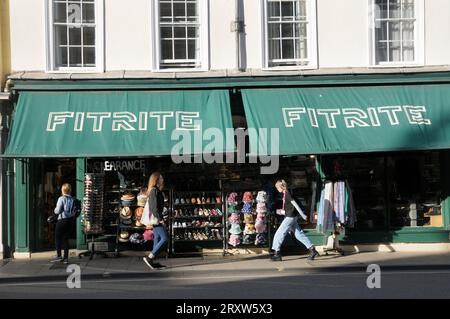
[{"x": 76, "y": 207}]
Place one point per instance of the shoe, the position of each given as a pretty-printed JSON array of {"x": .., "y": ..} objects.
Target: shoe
[
  {"x": 182, "y": 201},
  {"x": 313, "y": 253},
  {"x": 65, "y": 261},
  {"x": 196, "y": 212},
  {"x": 208, "y": 200},
  {"x": 200, "y": 212},
  {"x": 177, "y": 201},
  {"x": 276, "y": 257},
  {"x": 199, "y": 201},
  {"x": 158, "y": 266},
  {"x": 150, "y": 262},
  {"x": 203, "y": 200},
  {"x": 56, "y": 259}
]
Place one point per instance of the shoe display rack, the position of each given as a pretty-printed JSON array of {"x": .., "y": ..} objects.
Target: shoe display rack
[
  {"x": 197, "y": 221},
  {"x": 247, "y": 220}
]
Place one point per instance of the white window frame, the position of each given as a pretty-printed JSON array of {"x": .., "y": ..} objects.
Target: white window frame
[
  {"x": 203, "y": 38},
  {"x": 99, "y": 41},
  {"x": 419, "y": 38},
  {"x": 311, "y": 13}
]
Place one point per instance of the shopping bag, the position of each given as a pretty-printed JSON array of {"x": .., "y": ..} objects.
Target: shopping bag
[{"x": 148, "y": 218}]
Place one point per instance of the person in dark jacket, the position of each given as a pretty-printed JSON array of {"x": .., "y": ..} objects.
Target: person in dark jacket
[
  {"x": 156, "y": 206},
  {"x": 66, "y": 216},
  {"x": 291, "y": 211}
]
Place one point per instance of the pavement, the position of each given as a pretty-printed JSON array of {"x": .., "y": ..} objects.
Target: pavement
[{"x": 39, "y": 269}]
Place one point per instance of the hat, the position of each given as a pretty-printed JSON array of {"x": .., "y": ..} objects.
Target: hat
[
  {"x": 260, "y": 227},
  {"x": 232, "y": 209},
  {"x": 248, "y": 218},
  {"x": 247, "y": 208},
  {"x": 248, "y": 197},
  {"x": 124, "y": 236},
  {"x": 136, "y": 238},
  {"x": 261, "y": 208},
  {"x": 125, "y": 213},
  {"x": 262, "y": 197},
  {"x": 248, "y": 239},
  {"x": 249, "y": 229},
  {"x": 232, "y": 198},
  {"x": 234, "y": 240},
  {"x": 148, "y": 234},
  {"x": 138, "y": 212},
  {"x": 138, "y": 223},
  {"x": 126, "y": 222},
  {"x": 128, "y": 197},
  {"x": 260, "y": 239},
  {"x": 261, "y": 215},
  {"x": 234, "y": 219},
  {"x": 235, "y": 229}
]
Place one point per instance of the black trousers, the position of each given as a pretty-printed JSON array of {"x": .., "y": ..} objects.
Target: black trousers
[{"x": 62, "y": 232}]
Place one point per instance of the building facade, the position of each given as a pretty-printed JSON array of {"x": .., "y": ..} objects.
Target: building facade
[{"x": 364, "y": 82}]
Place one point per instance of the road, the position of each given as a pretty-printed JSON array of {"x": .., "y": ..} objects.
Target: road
[{"x": 239, "y": 285}]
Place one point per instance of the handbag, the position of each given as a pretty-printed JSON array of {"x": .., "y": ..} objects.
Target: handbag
[{"x": 52, "y": 219}]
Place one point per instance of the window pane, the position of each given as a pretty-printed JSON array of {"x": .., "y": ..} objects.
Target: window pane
[
  {"x": 166, "y": 32},
  {"x": 408, "y": 51},
  {"x": 408, "y": 9},
  {"x": 394, "y": 51},
  {"x": 394, "y": 31},
  {"x": 61, "y": 57},
  {"x": 192, "y": 32},
  {"x": 74, "y": 36},
  {"x": 75, "y": 57},
  {"x": 273, "y": 9},
  {"x": 301, "y": 30},
  {"x": 192, "y": 49},
  {"x": 286, "y": 30},
  {"x": 88, "y": 13},
  {"x": 180, "y": 32},
  {"x": 165, "y": 10},
  {"x": 274, "y": 30},
  {"x": 166, "y": 50},
  {"x": 381, "y": 52},
  {"x": 288, "y": 49},
  {"x": 408, "y": 31},
  {"x": 394, "y": 9},
  {"x": 274, "y": 50},
  {"x": 60, "y": 35},
  {"x": 381, "y": 32},
  {"x": 88, "y": 35},
  {"x": 380, "y": 9},
  {"x": 180, "y": 49},
  {"x": 287, "y": 10},
  {"x": 74, "y": 13},
  {"x": 179, "y": 12},
  {"x": 192, "y": 9},
  {"x": 59, "y": 12},
  {"x": 301, "y": 49},
  {"x": 89, "y": 57},
  {"x": 302, "y": 8}
]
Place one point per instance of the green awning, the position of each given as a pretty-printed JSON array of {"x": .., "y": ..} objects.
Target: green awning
[
  {"x": 120, "y": 123},
  {"x": 348, "y": 119}
]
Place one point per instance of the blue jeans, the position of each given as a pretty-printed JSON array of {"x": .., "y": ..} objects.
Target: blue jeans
[
  {"x": 289, "y": 223},
  {"x": 160, "y": 239}
]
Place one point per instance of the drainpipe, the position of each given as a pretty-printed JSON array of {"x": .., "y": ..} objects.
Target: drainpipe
[{"x": 237, "y": 27}]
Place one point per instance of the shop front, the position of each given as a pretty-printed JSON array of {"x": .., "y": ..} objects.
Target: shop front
[{"x": 389, "y": 144}]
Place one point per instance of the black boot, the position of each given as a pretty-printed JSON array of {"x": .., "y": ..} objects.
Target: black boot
[
  {"x": 276, "y": 256},
  {"x": 313, "y": 253}
]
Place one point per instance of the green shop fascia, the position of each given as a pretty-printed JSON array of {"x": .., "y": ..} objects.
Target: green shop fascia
[{"x": 363, "y": 121}]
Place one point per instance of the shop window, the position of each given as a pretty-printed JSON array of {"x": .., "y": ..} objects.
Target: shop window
[
  {"x": 290, "y": 34},
  {"x": 397, "y": 32},
  {"x": 181, "y": 34},
  {"x": 75, "y": 35},
  {"x": 415, "y": 190}
]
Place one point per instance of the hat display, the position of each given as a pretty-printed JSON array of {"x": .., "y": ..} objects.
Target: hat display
[
  {"x": 248, "y": 197},
  {"x": 137, "y": 238},
  {"x": 232, "y": 198},
  {"x": 235, "y": 229},
  {"x": 125, "y": 213},
  {"x": 247, "y": 208},
  {"x": 234, "y": 219},
  {"x": 248, "y": 218},
  {"x": 249, "y": 229},
  {"x": 261, "y": 208},
  {"x": 262, "y": 197},
  {"x": 260, "y": 239},
  {"x": 260, "y": 227},
  {"x": 234, "y": 240},
  {"x": 92, "y": 219},
  {"x": 124, "y": 236},
  {"x": 148, "y": 234}
]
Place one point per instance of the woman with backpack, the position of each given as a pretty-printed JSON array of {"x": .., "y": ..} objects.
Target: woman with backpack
[{"x": 66, "y": 214}]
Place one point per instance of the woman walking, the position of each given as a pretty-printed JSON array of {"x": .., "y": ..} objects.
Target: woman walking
[
  {"x": 291, "y": 211},
  {"x": 66, "y": 215},
  {"x": 156, "y": 208}
]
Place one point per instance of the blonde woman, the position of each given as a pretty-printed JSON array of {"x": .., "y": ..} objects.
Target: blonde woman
[
  {"x": 156, "y": 207},
  {"x": 291, "y": 210},
  {"x": 66, "y": 216}
]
